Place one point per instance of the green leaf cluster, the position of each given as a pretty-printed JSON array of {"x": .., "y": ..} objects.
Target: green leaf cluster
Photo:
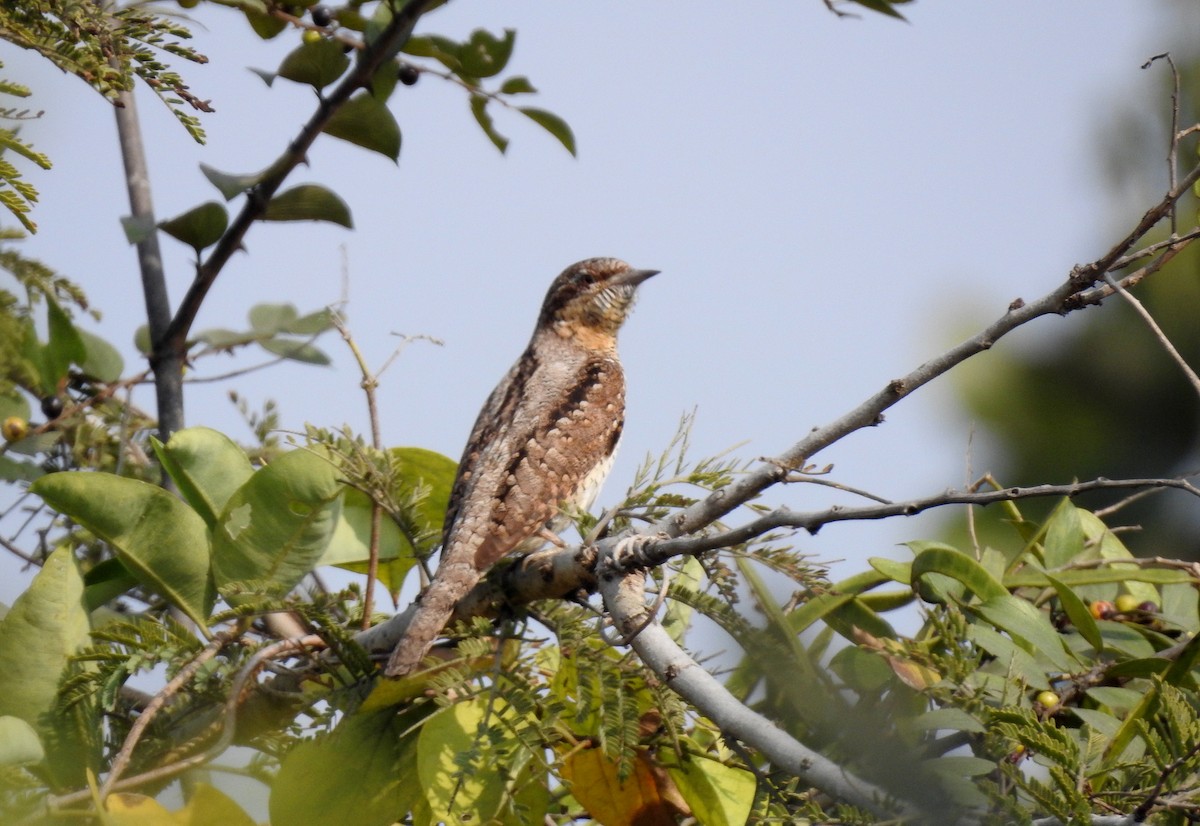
[{"x": 107, "y": 46}]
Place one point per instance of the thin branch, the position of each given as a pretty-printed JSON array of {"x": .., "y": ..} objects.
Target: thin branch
[
  {"x": 121, "y": 761},
  {"x": 370, "y": 59},
  {"x": 1141, "y": 310},
  {"x": 1073, "y": 294},
  {"x": 241, "y": 686},
  {"x": 370, "y": 382},
  {"x": 656, "y": 553}
]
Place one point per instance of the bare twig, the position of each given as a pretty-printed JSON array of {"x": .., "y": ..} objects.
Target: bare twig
[
  {"x": 370, "y": 382},
  {"x": 1144, "y": 314},
  {"x": 241, "y": 686},
  {"x": 121, "y": 761}
]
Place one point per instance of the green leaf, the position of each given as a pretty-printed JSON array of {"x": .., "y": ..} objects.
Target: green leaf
[
  {"x": 1030, "y": 578},
  {"x": 14, "y": 471},
  {"x": 367, "y": 766},
  {"x": 350, "y": 546},
  {"x": 230, "y": 185},
  {"x": 1023, "y": 621},
  {"x": 309, "y": 325},
  {"x": 1064, "y": 536},
  {"x": 365, "y": 121},
  {"x": 137, "y": 229},
  {"x": 484, "y": 119},
  {"x": 19, "y": 743},
  {"x": 484, "y": 54},
  {"x": 221, "y": 339},
  {"x": 422, "y": 479},
  {"x": 953, "y": 719},
  {"x": 42, "y": 630},
  {"x": 199, "y": 227},
  {"x": 14, "y": 403},
  {"x": 317, "y": 64},
  {"x": 263, "y": 24},
  {"x": 553, "y": 124},
  {"x": 433, "y": 474},
  {"x": 718, "y": 795},
  {"x": 101, "y": 361},
  {"x": 271, "y": 318},
  {"x": 141, "y": 340},
  {"x": 893, "y": 569},
  {"x": 1078, "y": 613},
  {"x": 207, "y": 466},
  {"x": 517, "y": 85},
  {"x": 64, "y": 347},
  {"x": 454, "y": 794},
  {"x": 162, "y": 541},
  {"x": 1011, "y": 659},
  {"x": 105, "y": 582},
  {"x": 276, "y": 526},
  {"x": 295, "y": 350},
  {"x": 938, "y": 559},
  {"x": 882, "y": 6},
  {"x": 442, "y": 49},
  {"x": 309, "y": 202}
]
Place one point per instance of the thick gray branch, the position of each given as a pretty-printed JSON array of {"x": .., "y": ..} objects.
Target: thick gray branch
[{"x": 624, "y": 595}]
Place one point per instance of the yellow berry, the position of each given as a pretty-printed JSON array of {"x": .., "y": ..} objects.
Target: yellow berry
[
  {"x": 1048, "y": 700},
  {"x": 1126, "y": 603},
  {"x": 15, "y": 429},
  {"x": 311, "y": 36}
]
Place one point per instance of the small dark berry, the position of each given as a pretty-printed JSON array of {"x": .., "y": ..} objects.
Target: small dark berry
[
  {"x": 408, "y": 74},
  {"x": 321, "y": 15},
  {"x": 52, "y": 407},
  {"x": 1149, "y": 607}
]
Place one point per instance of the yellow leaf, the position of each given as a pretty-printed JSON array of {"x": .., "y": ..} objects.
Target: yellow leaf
[{"x": 592, "y": 776}]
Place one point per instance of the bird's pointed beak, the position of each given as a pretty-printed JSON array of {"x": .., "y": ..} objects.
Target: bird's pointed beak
[{"x": 635, "y": 277}]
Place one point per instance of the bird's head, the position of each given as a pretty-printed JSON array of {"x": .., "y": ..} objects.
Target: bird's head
[{"x": 590, "y": 300}]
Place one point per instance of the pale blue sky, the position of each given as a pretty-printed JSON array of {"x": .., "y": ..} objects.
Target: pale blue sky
[{"x": 831, "y": 203}]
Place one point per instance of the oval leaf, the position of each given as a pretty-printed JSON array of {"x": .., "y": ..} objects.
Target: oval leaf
[
  {"x": 719, "y": 795},
  {"x": 317, "y": 64},
  {"x": 365, "y": 121},
  {"x": 484, "y": 54},
  {"x": 207, "y": 466},
  {"x": 366, "y": 766},
  {"x": 295, "y": 350},
  {"x": 199, "y": 227},
  {"x": 1078, "y": 613},
  {"x": 101, "y": 360},
  {"x": 309, "y": 202},
  {"x": 44, "y": 627},
  {"x": 230, "y": 185},
  {"x": 276, "y": 526},
  {"x": 553, "y": 124},
  {"x": 162, "y": 541},
  {"x": 19, "y": 743}
]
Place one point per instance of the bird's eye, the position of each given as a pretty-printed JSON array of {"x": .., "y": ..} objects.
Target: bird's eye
[{"x": 585, "y": 277}]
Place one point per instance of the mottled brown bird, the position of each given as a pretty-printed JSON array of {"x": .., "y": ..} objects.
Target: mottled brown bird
[{"x": 543, "y": 442}]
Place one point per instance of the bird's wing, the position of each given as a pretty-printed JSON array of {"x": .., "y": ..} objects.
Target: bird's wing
[{"x": 543, "y": 432}]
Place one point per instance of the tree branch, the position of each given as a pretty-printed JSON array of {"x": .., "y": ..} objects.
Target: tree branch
[
  {"x": 370, "y": 59},
  {"x": 1073, "y": 294},
  {"x": 624, "y": 596},
  {"x": 167, "y": 363}
]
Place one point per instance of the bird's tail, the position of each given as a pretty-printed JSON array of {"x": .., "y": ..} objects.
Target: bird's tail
[{"x": 435, "y": 606}]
